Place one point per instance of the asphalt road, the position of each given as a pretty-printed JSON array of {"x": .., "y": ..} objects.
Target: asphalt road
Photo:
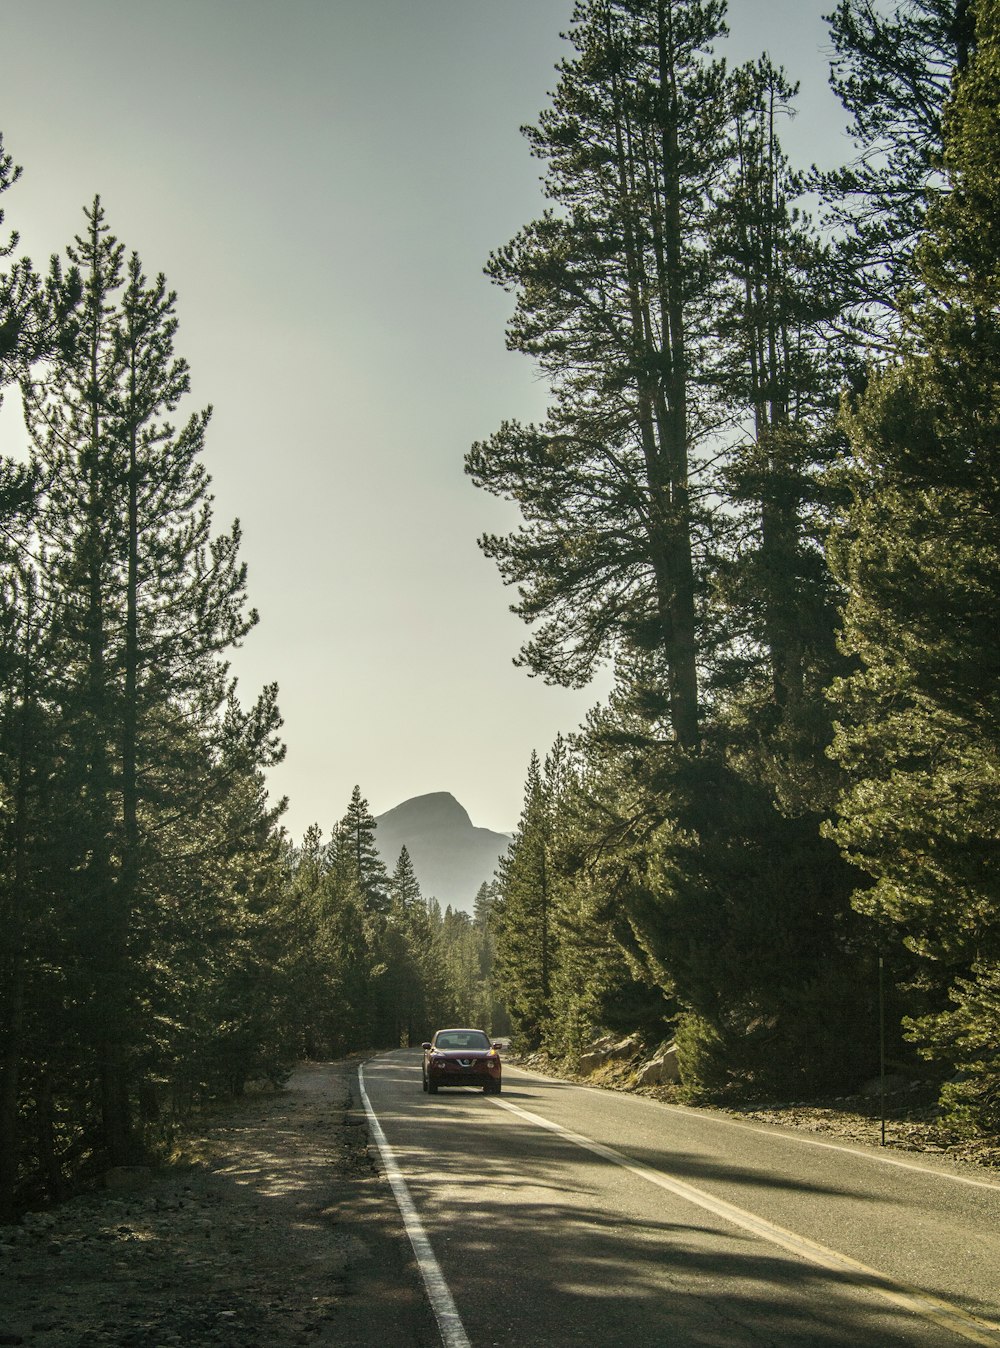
[{"x": 559, "y": 1214}]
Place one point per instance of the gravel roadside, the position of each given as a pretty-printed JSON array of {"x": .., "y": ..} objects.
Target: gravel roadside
[
  {"x": 910, "y": 1126},
  {"x": 282, "y": 1234}
]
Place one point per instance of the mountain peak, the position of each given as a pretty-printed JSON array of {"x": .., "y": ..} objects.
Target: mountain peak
[
  {"x": 437, "y": 809},
  {"x": 451, "y": 857}
]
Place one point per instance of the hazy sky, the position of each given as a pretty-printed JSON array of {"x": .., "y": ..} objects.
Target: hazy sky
[{"x": 321, "y": 181}]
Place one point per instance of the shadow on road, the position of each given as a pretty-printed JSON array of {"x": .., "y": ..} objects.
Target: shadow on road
[{"x": 496, "y": 1194}]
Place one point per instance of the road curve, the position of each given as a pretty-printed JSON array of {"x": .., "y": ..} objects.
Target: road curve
[{"x": 558, "y": 1214}]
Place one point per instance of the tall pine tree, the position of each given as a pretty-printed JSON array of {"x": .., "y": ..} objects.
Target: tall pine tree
[
  {"x": 523, "y": 915},
  {"x": 919, "y": 555},
  {"x": 615, "y": 296},
  {"x": 149, "y": 601}
]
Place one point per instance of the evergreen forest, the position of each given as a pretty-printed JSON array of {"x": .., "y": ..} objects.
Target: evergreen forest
[
  {"x": 163, "y": 941},
  {"x": 764, "y": 495}
]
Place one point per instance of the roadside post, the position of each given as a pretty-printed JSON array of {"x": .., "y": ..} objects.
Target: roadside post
[{"x": 881, "y": 1042}]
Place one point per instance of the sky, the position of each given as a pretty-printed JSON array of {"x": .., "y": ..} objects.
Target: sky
[{"x": 322, "y": 181}]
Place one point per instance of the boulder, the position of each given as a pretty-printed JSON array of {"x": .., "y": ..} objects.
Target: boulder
[
  {"x": 661, "y": 1070},
  {"x": 608, "y": 1050}
]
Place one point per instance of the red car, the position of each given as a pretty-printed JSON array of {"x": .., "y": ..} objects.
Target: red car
[{"x": 462, "y": 1057}]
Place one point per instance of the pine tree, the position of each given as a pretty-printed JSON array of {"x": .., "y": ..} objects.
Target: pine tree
[
  {"x": 615, "y": 294},
  {"x": 403, "y": 948},
  {"x": 523, "y": 915},
  {"x": 892, "y": 71},
  {"x": 359, "y": 943},
  {"x": 19, "y": 714},
  {"x": 80, "y": 530},
  {"x": 148, "y": 602},
  {"x": 30, "y": 912},
  {"x": 336, "y": 1016},
  {"x": 491, "y": 1013},
  {"x": 24, "y": 333},
  {"x": 304, "y": 868},
  {"x": 775, "y": 601},
  {"x": 223, "y": 995},
  {"x": 404, "y": 886},
  {"x": 355, "y": 857},
  {"x": 674, "y": 295},
  {"x": 919, "y": 555}
]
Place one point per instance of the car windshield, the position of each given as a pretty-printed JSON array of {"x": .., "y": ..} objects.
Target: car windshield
[{"x": 454, "y": 1039}]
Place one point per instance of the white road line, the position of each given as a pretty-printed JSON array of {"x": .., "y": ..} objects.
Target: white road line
[
  {"x": 779, "y": 1130},
  {"x": 878, "y": 1157},
  {"x": 453, "y": 1333},
  {"x": 912, "y": 1299}
]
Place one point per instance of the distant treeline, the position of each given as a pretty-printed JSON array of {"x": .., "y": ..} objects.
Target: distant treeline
[{"x": 766, "y": 494}]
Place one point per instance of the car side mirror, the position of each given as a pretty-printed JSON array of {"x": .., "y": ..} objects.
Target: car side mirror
[
  {"x": 498, "y": 1047},
  {"x": 425, "y": 1045}
]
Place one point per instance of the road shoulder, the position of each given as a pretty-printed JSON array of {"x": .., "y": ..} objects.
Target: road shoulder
[{"x": 284, "y": 1231}]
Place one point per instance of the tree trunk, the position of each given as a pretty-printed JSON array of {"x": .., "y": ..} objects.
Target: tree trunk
[{"x": 10, "y": 1066}]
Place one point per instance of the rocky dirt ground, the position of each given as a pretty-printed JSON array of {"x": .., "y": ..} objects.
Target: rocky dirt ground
[
  {"x": 912, "y": 1124},
  {"x": 280, "y": 1233}
]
